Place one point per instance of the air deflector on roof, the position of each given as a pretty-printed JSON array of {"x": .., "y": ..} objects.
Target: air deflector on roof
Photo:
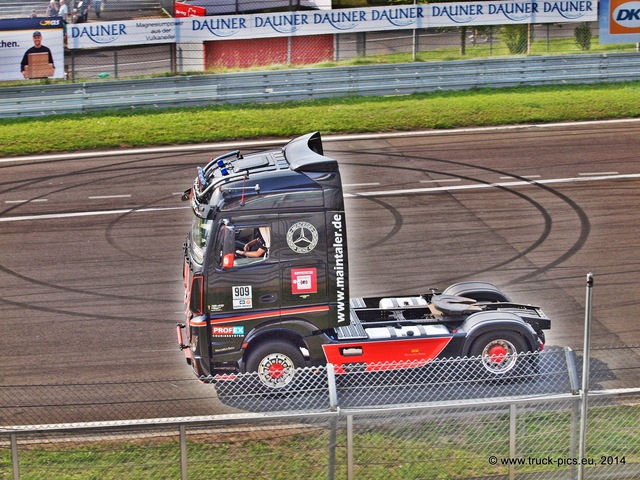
[{"x": 305, "y": 154}]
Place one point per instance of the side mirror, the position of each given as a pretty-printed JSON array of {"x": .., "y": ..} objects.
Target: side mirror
[{"x": 228, "y": 246}]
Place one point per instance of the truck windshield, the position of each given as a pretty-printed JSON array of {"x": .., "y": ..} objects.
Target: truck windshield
[{"x": 199, "y": 237}]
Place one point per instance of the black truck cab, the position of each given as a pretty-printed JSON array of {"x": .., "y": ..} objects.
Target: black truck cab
[
  {"x": 291, "y": 198},
  {"x": 266, "y": 281}
]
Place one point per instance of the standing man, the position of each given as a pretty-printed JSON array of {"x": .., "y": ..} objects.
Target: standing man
[
  {"x": 52, "y": 9},
  {"x": 64, "y": 11},
  {"x": 97, "y": 6},
  {"x": 37, "y": 48}
]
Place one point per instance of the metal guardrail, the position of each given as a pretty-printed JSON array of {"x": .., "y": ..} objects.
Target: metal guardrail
[{"x": 291, "y": 85}]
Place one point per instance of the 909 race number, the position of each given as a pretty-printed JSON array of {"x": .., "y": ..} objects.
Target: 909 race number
[{"x": 242, "y": 297}]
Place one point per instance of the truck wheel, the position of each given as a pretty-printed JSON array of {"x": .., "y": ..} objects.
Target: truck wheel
[
  {"x": 499, "y": 353},
  {"x": 275, "y": 363}
]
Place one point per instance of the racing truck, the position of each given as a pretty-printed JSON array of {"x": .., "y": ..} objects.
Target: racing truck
[{"x": 266, "y": 279}]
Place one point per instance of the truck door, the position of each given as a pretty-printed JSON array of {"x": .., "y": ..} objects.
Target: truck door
[
  {"x": 243, "y": 282},
  {"x": 303, "y": 263}
]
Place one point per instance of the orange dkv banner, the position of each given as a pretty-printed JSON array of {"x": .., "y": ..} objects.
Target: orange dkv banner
[{"x": 619, "y": 21}]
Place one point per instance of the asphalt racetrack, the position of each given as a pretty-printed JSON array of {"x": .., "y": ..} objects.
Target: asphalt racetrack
[{"x": 91, "y": 247}]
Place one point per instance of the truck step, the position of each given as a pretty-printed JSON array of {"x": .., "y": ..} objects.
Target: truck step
[{"x": 354, "y": 330}]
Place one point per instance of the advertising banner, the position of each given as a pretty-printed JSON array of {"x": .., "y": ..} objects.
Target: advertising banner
[
  {"x": 184, "y": 10},
  {"x": 125, "y": 33},
  {"x": 317, "y": 22},
  {"x": 230, "y": 7},
  {"x": 31, "y": 48},
  {"x": 619, "y": 21},
  {"x": 387, "y": 18}
]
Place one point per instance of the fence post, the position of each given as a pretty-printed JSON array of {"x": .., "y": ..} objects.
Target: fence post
[
  {"x": 350, "y": 447},
  {"x": 333, "y": 391},
  {"x": 572, "y": 370},
  {"x": 586, "y": 357},
  {"x": 72, "y": 69},
  {"x": 14, "y": 456},
  {"x": 361, "y": 44},
  {"x": 512, "y": 440},
  {"x": 183, "y": 451},
  {"x": 491, "y": 32},
  {"x": 172, "y": 56},
  {"x": 333, "y": 439},
  {"x": 414, "y": 45},
  {"x": 575, "y": 429},
  {"x": 414, "y": 42},
  {"x": 333, "y": 404}
]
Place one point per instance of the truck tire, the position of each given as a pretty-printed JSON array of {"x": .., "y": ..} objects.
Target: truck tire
[
  {"x": 275, "y": 363},
  {"x": 500, "y": 354}
]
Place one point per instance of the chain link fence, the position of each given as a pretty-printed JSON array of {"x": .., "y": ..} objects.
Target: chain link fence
[
  {"x": 367, "y": 47},
  {"x": 445, "y": 420},
  {"x": 533, "y": 438},
  {"x": 364, "y": 386},
  {"x": 612, "y": 367},
  {"x": 536, "y": 438}
]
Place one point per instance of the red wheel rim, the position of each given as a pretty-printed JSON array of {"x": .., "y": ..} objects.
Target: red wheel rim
[
  {"x": 499, "y": 356},
  {"x": 276, "y": 370},
  {"x": 497, "y": 353}
]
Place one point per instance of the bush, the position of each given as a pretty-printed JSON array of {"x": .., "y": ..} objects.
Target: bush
[
  {"x": 582, "y": 34},
  {"x": 515, "y": 38}
]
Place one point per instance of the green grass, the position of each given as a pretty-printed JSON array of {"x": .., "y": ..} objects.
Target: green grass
[{"x": 439, "y": 110}]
